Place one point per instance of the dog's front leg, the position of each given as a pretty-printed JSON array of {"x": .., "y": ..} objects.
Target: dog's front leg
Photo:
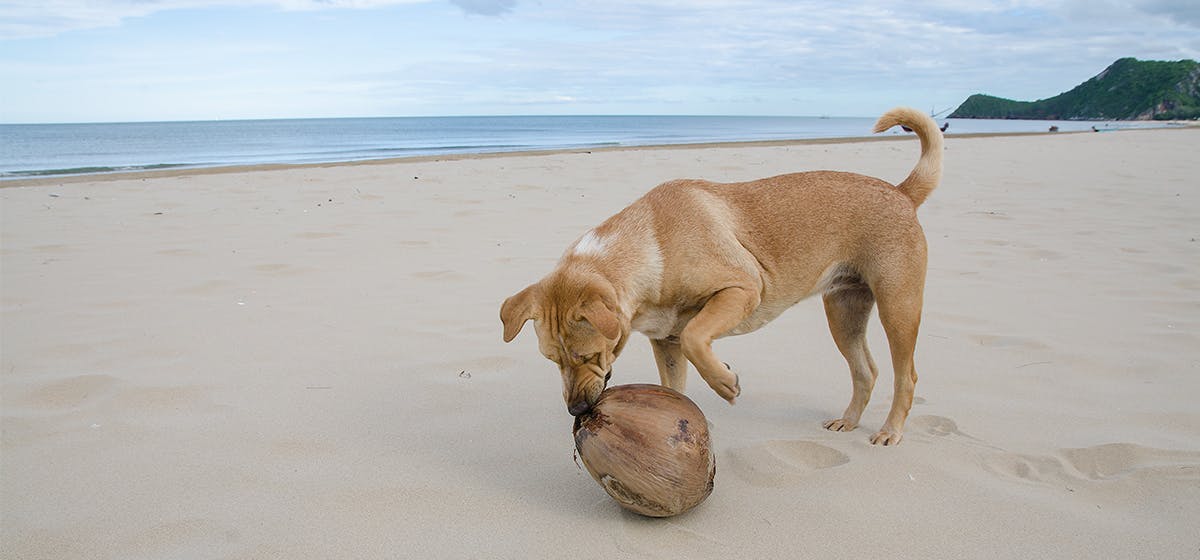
[
  {"x": 724, "y": 310},
  {"x": 672, "y": 368}
]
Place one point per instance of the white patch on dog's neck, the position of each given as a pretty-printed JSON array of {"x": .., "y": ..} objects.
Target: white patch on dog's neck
[{"x": 590, "y": 244}]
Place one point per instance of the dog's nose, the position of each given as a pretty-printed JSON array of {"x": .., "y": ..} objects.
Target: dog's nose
[{"x": 579, "y": 407}]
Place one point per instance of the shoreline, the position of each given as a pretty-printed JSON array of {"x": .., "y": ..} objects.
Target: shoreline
[{"x": 256, "y": 167}]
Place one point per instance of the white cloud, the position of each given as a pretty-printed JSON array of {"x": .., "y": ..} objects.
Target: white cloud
[
  {"x": 1185, "y": 12},
  {"x": 485, "y": 7},
  {"x": 664, "y": 56},
  {"x": 42, "y": 18}
]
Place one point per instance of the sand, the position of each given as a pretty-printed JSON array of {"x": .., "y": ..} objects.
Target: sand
[{"x": 307, "y": 363}]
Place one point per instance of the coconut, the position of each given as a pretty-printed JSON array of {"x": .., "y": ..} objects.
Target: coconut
[{"x": 648, "y": 447}]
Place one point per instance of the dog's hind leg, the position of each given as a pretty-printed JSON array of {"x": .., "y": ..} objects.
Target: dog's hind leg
[
  {"x": 724, "y": 310},
  {"x": 672, "y": 367},
  {"x": 900, "y": 313},
  {"x": 848, "y": 307}
]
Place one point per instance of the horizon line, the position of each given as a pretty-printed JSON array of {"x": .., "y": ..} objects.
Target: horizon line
[{"x": 479, "y": 116}]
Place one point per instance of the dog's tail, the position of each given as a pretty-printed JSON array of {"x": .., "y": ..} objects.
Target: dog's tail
[{"x": 928, "y": 172}]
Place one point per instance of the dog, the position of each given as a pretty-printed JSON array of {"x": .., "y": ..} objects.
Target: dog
[{"x": 692, "y": 261}]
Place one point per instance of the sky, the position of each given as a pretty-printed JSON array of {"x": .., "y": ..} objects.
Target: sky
[{"x": 154, "y": 60}]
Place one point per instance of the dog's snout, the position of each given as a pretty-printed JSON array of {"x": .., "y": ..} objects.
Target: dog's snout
[{"x": 579, "y": 407}]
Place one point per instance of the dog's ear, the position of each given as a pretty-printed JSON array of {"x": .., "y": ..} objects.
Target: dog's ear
[
  {"x": 518, "y": 309},
  {"x": 603, "y": 319}
]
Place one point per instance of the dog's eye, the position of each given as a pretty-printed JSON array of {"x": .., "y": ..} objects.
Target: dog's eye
[{"x": 585, "y": 359}]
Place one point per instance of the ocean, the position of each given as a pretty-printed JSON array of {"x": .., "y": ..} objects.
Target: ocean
[{"x": 37, "y": 150}]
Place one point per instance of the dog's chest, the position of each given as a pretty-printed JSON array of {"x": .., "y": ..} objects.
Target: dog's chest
[
  {"x": 661, "y": 322},
  {"x": 765, "y": 313}
]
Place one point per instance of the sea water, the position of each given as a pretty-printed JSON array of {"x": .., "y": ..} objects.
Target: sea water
[{"x": 29, "y": 150}]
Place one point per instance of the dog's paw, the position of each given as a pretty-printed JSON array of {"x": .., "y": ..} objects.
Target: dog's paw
[
  {"x": 839, "y": 425},
  {"x": 886, "y": 437},
  {"x": 728, "y": 387},
  {"x": 729, "y": 393},
  {"x": 737, "y": 382}
]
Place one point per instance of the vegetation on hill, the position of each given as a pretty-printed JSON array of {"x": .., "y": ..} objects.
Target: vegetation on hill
[{"x": 1129, "y": 89}]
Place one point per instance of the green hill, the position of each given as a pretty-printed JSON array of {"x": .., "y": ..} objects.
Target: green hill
[{"x": 1129, "y": 89}]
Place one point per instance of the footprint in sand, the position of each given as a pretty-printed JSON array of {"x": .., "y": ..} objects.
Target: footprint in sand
[
  {"x": 173, "y": 539},
  {"x": 179, "y": 253},
  {"x": 70, "y": 392},
  {"x": 205, "y": 288},
  {"x": 1008, "y": 341},
  {"x": 933, "y": 425},
  {"x": 485, "y": 365},
  {"x": 1117, "y": 460},
  {"x": 1108, "y": 462},
  {"x": 940, "y": 427},
  {"x": 279, "y": 269},
  {"x": 108, "y": 392},
  {"x": 1044, "y": 254},
  {"x": 782, "y": 462},
  {"x": 55, "y": 249},
  {"x": 300, "y": 450},
  {"x": 1187, "y": 284},
  {"x": 957, "y": 319},
  {"x": 317, "y": 235},
  {"x": 443, "y": 275},
  {"x": 162, "y": 400}
]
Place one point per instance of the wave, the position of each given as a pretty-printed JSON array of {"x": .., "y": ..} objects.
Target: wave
[
  {"x": 25, "y": 174},
  {"x": 307, "y": 157},
  {"x": 350, "y": 154}
]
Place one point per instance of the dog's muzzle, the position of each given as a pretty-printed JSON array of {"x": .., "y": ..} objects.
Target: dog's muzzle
[
  {"x": 582, "y": 406},
  {"x": 579, "y": 408}
]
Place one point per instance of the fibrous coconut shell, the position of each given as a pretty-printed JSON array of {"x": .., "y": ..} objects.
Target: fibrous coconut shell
[{"x": 648, "y": 447}]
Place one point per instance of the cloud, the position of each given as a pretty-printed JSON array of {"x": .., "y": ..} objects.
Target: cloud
[
  {"x": 614, "y": 56},
  {"x": 1185, "y": 12},
  {"x": 22, "y": 19},
  {"x": 485, "y": 7}
]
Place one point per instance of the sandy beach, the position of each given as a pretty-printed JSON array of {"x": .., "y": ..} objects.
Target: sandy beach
[{"x": 307, "y": 362}]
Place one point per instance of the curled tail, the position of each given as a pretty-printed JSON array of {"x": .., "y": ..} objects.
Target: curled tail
[{"x": 928, "y": 172}]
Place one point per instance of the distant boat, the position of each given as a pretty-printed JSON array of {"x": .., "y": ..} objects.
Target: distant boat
[{"x": 943, "y": 128}]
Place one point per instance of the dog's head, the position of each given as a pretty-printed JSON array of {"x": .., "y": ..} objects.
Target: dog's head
[{"x": 579, "y": 328}]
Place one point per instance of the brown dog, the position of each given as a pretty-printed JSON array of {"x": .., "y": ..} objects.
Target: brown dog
[{"x": 692, "y": 261}]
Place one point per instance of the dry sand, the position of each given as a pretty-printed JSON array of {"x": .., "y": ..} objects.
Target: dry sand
[{"x": 307, "y": 363}]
